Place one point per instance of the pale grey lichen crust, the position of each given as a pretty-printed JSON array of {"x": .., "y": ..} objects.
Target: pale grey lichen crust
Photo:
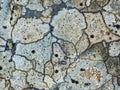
[{"x": 59, "y": 44}]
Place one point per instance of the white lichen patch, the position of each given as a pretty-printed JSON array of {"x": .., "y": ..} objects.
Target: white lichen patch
[
  {"x": 21, "y": 63},
  {"x": 5, "y": 27},
  {"x": 39, "y": 51},
  {"x": 2, "y": 44},
  {"x": 113, "y": 6},
  {"x": 6, "y": 67},
  {"x": 86, "y": 75},
  {"x": 29, "y": 30},
  {"x": 112, "y": 22},
  {"x": 60, "y": 64},
  {"x": 47, "y": 3},
  {"x": 4, "y": 84},
  {"x": 21, "y": 2},
  {"x": 35, "y": 5},
  {"x": 80, "y": 4},
  {"x": 36, "y": 79},
  {"x": 68, "y": 25},
  {"x": 114, "y": 48},
  {"x": 82, "y": 44},
  {"x": 49, "y": 81},
  {"x": 68, "y": 48},
  {"x": 59, "y": 44},
  {"x": 107, "y": 86},
  {"x": 18, "y": 80},
  {"x": 96, "y": 29}
]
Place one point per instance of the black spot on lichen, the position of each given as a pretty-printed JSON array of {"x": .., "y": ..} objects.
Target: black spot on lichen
[
  {"x": 74, "y": 81},
  {"x": 81, "y": 4},
  {"x": 82, "y": 69},
  {"x": 92, "y": 36},
  {"x": 11, "y": 18},
  {"x": 117, "y": 26},
  {"x": 33, "y": 51},
  {"x": 87, "y": 84},
  {"x": 4, "y": 27},
  {"x": 56, "y": 55},
  {"x": 56, "y": 71},
  {"x": 0, "y": 67}
]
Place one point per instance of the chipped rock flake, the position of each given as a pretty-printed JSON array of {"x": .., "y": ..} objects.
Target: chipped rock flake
[
  {"x": 68, "y": 25},
  {"x": 30, "y": 30}
]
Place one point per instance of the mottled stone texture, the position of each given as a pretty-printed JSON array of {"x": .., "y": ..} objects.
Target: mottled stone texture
[{"x": 59, "y": 44}]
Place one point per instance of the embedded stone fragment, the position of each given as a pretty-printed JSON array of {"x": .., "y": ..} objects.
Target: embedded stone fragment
[
  {"x": 47, "y": 3},
  {"x": 97, "y": 30},
  {"x": 4, "y": 84},
  {"x": 35, "y": 5},
  {"x": 46, "y": 15},
  {"x": 86, "y": 74},
  {"x": 18, "y": 80},
  {"x": 5, "y": 27},
  {"x": 16, "y": 11},
  {"x": 96, "y": 52},
  {"x": 30, "y": 30},
  {"x": 113, "y": 66},
  {"x": 114, "y": 48},
  {"x": 39, "y": 51},
  {"x": 6, "y": 67},
  {"x": 68, "y": 48},
  {"x": 107, "y": 86},
  {"x": 49, "y": 68},
  {"x": 112, "y": 22},
  {"x": 82, "y": 44},
  {"x": 76, "y": 3},
  {"x": 60, "y": 63},
  {"x": 68, "y": 25},
  {"x": 36, "y": 79},
  {"x": 21, "y": 63}
]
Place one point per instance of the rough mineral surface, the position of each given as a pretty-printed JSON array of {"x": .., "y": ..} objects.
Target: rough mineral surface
[{"x": 59, "y": 44}]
